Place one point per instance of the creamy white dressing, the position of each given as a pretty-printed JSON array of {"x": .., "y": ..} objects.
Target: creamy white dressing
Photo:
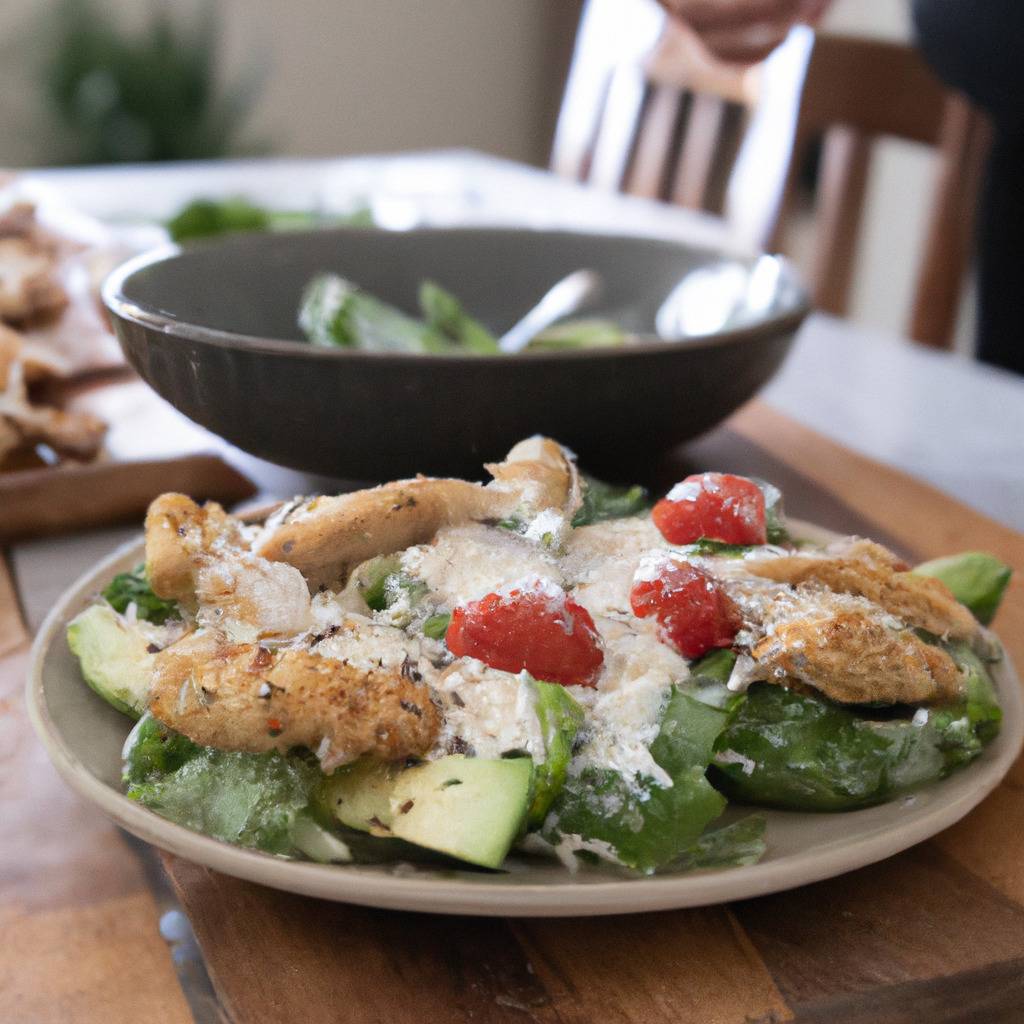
[
  {"x": 155, "y": 635},
  {"x": 621, "y": 725},
  {"x": 464, "y": 563},
  {"x": 491, "y": 711},
  {"x": 364, "y": 644}
]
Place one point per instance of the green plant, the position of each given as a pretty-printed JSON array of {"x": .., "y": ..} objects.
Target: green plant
[{"x": 139, "y": 96}]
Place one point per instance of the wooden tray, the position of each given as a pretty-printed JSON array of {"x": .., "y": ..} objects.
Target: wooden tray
[
  {"x": 935, "y": 934},
  {"x": 121, "y": 484}
]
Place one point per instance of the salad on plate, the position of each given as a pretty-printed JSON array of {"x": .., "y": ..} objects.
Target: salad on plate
[{"x": 445, "y": 671}]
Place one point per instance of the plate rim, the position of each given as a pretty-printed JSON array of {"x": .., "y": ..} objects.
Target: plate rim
[{"x": 426, "y": 891}]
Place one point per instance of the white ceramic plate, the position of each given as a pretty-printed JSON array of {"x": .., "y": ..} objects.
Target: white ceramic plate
[{"x": 84, "y": 736}]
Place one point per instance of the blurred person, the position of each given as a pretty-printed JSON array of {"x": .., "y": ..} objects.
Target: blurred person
[{"x": 974, "y": 46}]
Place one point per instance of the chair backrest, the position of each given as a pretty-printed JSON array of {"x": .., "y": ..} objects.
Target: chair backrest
[
  {"x": 646, "y": 113},
  {"x": 853, "y": 92}
]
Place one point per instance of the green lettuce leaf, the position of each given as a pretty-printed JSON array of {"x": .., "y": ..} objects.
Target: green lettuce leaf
[
  {"x": 154, "y": 751},
  {"x": 445, "y": 314},
  {"x": 336, "y": 312},
  {"x": 246, "y": 799},
  {"x": 207, "y": 218},
  {"x": 133, "y": 587},
  {"x": 802, "y": 752},
  {"x": 603, "y": 501},
  {"x": 647, "y": 825},
  {"x": 560, "y": 719},
  {"x": 731, "y": 846},
  {"x": 572, "y": 334}
]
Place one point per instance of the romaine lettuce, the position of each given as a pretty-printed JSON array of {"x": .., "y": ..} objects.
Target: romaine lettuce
[{"x": 645, "y": 824}]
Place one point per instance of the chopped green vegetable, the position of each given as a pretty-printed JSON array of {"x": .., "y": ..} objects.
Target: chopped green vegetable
[
  {"x": 709, "y": 679},
  {"x": 731, "y": 846},
  {"x": 707, "y": 546},
  {"x": 603, "y": 501},
  {"x": 799, "y": 751},
  {"x": 444, "y": 314},
  {"x": 203, "y": 218},
  {"x": 717, "y": 666},
  {"x": 648, "y": 825},
  {"x": 470, "y": 808},
  {"x": 248, "y": 799},
  {"x": 336, "y": 312},
  {"x": 133, "y": 588},
  {"x": 383, "y": 583},
  {"x": 436, "y": 625},
  {"x": 774, "y": 514},
  {"x": 572, "y": 334},
  {"x": 975, "y": 579},
  {"x": 206, "y": 218},
  {"x": 560, "y": 719},
  {"x": 154, "y": 750}
]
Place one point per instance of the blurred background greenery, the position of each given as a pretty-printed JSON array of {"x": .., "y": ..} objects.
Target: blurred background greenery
[{"x": 152, "y": 93}]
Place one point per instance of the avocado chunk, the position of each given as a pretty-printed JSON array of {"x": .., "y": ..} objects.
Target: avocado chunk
[
  {"x": 359, "y": 795},
  {"x": 975, "y": 579},
  {"x": 560, "y": 720},
  {"x": 114, "y": 658},
  {"x": 466, "y": 807}
]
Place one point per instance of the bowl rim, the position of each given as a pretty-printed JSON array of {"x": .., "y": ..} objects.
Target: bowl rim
[{"x": 150, "y": 317}]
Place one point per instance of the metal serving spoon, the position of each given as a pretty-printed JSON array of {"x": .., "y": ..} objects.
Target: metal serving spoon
[{"x": 561, "y": 300}]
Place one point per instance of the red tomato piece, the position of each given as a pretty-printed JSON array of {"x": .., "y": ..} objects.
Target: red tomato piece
[
  {"x": 714, "y": 505},
  {"x": 537, "y": 628},
  {"x": 694, "y": 614}
]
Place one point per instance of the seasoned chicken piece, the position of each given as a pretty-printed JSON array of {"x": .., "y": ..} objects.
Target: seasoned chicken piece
[
  {"x": 18, "y": 220},
  {"x": 36, "y": 362},
  {"x": 74, "y": 435},
  {"x": 542, "y": 473},
  {"x": 869, "y": 570},
  {"x": 325, "y": 538},
  {"x": 198, "y": 556},
  {"x": 850, "y": 652},
  {"x": 29, "y": 288},
  {"x": 247, "y": 697},
  {"x": 181, "y": 537}
]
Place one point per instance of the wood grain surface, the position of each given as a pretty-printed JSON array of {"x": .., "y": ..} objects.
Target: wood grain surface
[
  {"x": 935, "y": 934},
  {"x": 78, "y": 924}
]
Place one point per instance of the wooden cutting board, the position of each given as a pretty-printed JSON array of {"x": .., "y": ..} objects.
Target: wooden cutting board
[
  {"x": 149, "y": 449},
  {"x": 935, "y": 934}
]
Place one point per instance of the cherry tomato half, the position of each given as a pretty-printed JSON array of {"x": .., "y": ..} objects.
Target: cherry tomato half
[
  {"x": 694, "y": 614},
  {"x": 715, "y": 505},
  {"x": 537, "y": 628}
]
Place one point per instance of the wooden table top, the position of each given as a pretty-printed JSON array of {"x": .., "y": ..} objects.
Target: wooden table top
[{"x": 935, "y": 934}]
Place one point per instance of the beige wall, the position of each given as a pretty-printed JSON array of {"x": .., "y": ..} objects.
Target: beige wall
[{"x": 347, "y": 76}]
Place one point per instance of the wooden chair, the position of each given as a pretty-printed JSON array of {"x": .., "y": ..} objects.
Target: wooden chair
[{"x": 659, "y": 120}]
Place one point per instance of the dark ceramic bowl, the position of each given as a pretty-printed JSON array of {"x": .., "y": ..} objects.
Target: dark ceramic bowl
[{"x": 212, "y": 328}]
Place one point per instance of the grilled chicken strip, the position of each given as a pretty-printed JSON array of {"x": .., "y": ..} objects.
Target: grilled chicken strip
[
  {"x": 866, "y": 569},
  {"x": 74, "y": 435},
  {"x": 247, "y": 697},
  {"x": 326, "y": 538},
  {"x": 28, "y": 284},
  {"x": 853, "y": 656},
  {"x": 198, "y": 556}
]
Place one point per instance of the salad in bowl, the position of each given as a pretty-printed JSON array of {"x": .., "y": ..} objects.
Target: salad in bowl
[{"x": 447, "y": 671}]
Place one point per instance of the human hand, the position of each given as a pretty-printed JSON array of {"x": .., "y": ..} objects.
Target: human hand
[{"x": 743, "y": 31}]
